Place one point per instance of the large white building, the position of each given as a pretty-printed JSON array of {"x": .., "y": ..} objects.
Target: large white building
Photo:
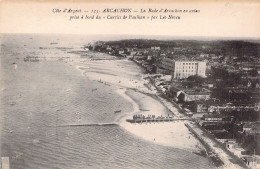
[{"x": 183, "y": 68}]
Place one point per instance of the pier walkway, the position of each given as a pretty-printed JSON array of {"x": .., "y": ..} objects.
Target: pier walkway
[{"x": 152, "y": 118}]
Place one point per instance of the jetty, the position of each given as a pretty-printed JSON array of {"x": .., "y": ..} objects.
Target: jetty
[{"x": 139, "y": 118}]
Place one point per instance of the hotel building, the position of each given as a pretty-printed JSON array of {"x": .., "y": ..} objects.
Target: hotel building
[{"x": 183, "y": 68}]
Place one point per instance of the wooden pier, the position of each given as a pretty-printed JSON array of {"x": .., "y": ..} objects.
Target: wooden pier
[{"x": 152, "y": 118}]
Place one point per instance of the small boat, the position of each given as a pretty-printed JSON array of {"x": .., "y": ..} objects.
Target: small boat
[
  {"x": 144, "y": 110},
  {"x": 117, "y": 111},
  {"x": 53, "y": 43}
]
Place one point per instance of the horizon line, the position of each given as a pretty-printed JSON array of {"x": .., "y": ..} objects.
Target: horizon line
[{"x": 137, "y": 36}]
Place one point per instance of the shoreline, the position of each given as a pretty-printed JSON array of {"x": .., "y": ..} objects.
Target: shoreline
[
  {"x": 208, "y": 149},
  {"x": 145, "y": 101},
  {"x": 219, "y": 157},
  {"x": 69, "y": 92},
  {"x": 170, "y": 134}
]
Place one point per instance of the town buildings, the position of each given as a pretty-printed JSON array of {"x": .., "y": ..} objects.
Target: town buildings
[
  {"x": 188, "y": 94},
  {"x": 221, "y": 93},
  {"x": 184, "y": 69},
  {"x": 209, "y": 106},
  {"x": 180, "y": 69}
]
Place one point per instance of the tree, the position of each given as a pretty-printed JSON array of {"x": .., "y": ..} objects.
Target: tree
[
  {"x": 197, "y": 79},
  {"x": 254, "y": 72}
]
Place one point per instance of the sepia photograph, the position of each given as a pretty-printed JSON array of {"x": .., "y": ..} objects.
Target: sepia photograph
[{"x": 129, "y": 84}]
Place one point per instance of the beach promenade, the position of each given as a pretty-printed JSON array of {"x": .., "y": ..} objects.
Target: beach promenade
[
  {"x": 147, "y": 99},
  {"x": 216, "y": 152}
]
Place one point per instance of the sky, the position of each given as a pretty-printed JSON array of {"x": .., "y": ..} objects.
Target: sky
[{"x": 216, "y": 18}]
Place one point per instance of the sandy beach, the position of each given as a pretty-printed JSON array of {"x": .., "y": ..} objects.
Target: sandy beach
[
  {"x": 136, "y": 88},
  {"x": 173, "y": 134},
  {"x": 131, "y": 86}
]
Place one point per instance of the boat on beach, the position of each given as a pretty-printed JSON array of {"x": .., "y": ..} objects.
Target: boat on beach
[{"x": 117, "y": 111}]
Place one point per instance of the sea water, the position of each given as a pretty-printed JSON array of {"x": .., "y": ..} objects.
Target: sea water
[{"x": 53, "y": 116}]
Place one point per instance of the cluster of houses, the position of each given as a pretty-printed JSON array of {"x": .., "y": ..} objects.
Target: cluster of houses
[
  {"x": 225, "y": 110},
  {"x": 199, "y": 99}
]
